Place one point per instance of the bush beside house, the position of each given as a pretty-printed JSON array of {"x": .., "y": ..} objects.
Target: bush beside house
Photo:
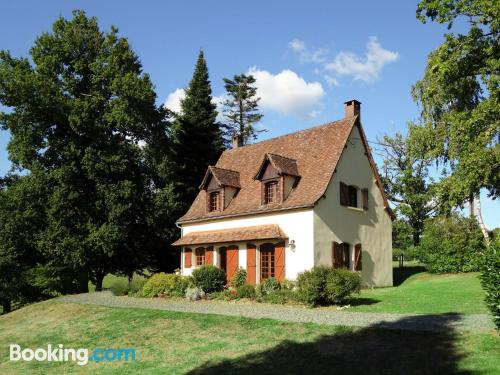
[
  {"x": 490, "y": 279},
  {"x": 165, "y": 284},
  {"x": 451, "y": 244},
  {"x": 209, "y": 278}
]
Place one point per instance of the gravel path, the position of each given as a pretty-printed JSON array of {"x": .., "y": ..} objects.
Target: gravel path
[{"x": 437, "y": 322}]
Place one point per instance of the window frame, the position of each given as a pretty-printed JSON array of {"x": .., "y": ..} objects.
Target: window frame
[
  {"x": 276, "y": 191},
  {"x": 267, "y": 262},
  {"x": 211, "y": 193},
  {"x": 200, "y": 256}
]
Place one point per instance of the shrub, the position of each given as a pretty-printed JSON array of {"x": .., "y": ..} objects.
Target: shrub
[
  {"x": 324, "y": 285},
  {"x": 245, "y": 291},
  {"x": 209, "y": 278},
  {"x": 170, "y": 285},
  {"x": 239, "y": 278},
  {"x": 451, "y": 244},
  {"x": 136, "y": 285},
  {"x": 288, "y": 284},
  {"x": 194, "y": 294},
  {"x": 311, "y": 286},
  {"x": 119, "y": 287},
  {"x": 270, "y": 285},
  {"x": 225, "y": 295},
  {"x": 341, "y": 284},
  {"x": 490, "y": 279},
  {"x": 279, "y": 297}
]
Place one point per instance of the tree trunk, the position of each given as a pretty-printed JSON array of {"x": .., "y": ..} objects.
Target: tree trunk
[
  {"x": 98, "y": 281},
  {"x": 416, "y": 238},
  {"x": 471, "y": 206},
  {"x": 480, "y": 220},
  {"x": 7, "y": 306}
]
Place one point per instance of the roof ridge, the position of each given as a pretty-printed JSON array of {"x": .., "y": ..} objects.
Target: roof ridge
[
  {"x": 281, "y": 156},
  {"x": 223, "y": 169},
  {"x": 353, "y": 118}
]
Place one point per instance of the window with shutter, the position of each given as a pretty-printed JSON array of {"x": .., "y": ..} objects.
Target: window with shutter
[
  {"x": 364, "y": 195},
  {"x": 341, "y": 258},
  {"x": 187, "y": 257},
  {"x": 344, "y": 200},
  {"x": 352, "y": 193},
  {"x": 200, "y": 256},
  {"x": 358, "y": 257}
]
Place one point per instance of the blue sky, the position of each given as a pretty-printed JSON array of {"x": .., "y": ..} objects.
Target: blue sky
[{"x": 308, "y": 57}]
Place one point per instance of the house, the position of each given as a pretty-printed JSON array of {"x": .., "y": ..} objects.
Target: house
[{"x": 281, "y": 206}]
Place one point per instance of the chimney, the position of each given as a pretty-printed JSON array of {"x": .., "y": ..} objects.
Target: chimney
[
  {"x": 352, "y": 108},
  {"x": 237, "y": 141}
]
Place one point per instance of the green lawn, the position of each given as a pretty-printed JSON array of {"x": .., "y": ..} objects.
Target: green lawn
[
  {"x": 174, "y": 343},
  {"x": 425, "y": 293}
]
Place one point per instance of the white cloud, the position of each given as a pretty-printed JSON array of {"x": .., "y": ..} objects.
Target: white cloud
[
  {"x": 173, "y": 101},
  {"x": 286, "y": 92},
  {"x": 307, "y": 54},
  {"x": 332, "y": 81},
  {"x": 365, "y": 69}
]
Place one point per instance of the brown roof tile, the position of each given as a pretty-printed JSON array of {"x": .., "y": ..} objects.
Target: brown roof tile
[
  {"x": 316, "y": 151},
  {"x": 224, "y": 177},
  {"x": 312, "y": 154},
  {"x": 258, "y": 232}
]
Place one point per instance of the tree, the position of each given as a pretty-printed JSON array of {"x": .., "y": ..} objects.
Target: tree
[
  {"x": 196, "y": 137},
  {"x": 407, "y": 183},
  {"x": 21, "y": 221},
  {"x": 79, "y": 112},
  {"x": 241, "y": 108},
  {"x": 459, "y": 98}
]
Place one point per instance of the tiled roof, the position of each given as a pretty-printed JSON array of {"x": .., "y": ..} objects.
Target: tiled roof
[
  {"x": 224, "y": 177},
  {"x": 312, "y": 154},
  {"x": 258, "y": 232},
  {"x": 282, "y": 164}
]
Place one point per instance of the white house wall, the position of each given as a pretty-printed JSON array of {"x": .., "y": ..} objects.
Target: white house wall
[
  {"x": 297, "y": 224},
  {"x": 371, "y": 228}
]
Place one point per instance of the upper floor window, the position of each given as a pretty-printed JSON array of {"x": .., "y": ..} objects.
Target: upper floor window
[
  {"x": 271, "y": 192},
  {"x": 352, "y": 193},
  {"x": 214, "y": 201}
]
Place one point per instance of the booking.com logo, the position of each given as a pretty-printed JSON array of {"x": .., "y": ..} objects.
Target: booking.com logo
[{"x": 61, "y": 354}]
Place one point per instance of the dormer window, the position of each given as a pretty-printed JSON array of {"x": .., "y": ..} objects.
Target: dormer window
[
  {"x": 278, "y": 176},
  {"x": 220, "y": 186},
  {"x": 271, "y": 192},
  {"x": 214, "y": 201}
]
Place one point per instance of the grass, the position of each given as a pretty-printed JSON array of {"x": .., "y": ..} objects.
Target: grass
[
  {"x": 175, "y": 343},
  {"x": 424, "y": 293}
]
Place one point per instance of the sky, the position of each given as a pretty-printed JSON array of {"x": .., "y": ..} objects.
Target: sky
[{"x": 308, "y": 57}]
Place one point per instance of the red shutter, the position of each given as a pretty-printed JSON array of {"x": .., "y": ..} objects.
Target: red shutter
[
  {"x": 279, "y": 261},
  {"x": 188, "y": 255},
  {"x": 251, "y": 263},
  {"x": 232, "y": 261},
  {"x": 209, "y": 255},
  {"x": 344, "y": 194},
  {"x": 357, "y": 257},
  {"x": 364, "y": 195}
]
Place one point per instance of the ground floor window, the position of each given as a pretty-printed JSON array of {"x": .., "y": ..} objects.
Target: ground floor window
[
  {"x": 200, "y": 256},
  {"x": 267, "y": 268},
  {"x": 341, "y": 255}
]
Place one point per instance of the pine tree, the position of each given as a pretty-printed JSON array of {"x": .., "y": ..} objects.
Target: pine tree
[
  {"x": 241, "y": 108},
  {"x": 196, "y": 136}
]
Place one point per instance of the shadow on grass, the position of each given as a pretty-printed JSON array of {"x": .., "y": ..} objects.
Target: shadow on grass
[
  {"x": 399, "y": 275},
  {"x": 354, "y": 301},
  {"x": 379, "y": 349}
]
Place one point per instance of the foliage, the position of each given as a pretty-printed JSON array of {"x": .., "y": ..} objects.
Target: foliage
[
  {"x": 341, "y": 284},
  {"x": 209, "y": 278},
  {"x": 490, "y": 279},
  {"x": 270, "y": 285},
  {"x": 279, "y": 297},
  {"x": 239, "y": 278},
  {"x": 163, "y": 284},
  {"x": 196, "y": 137},
  {"x": 451, "y": 244},
  {"x": 194, "y": 294},
  {"x": 241, "y": 108},
  {"x": 326, "y": 285},
  {"x": 459, "y": 97},
  {"x": 88, "y": 104},
  {"x": 311, "y": 286},
  {"x": 246, "y": 291},
  {"x": 119, "y": 287},
  {"x": 406, "y": 182},
  {"x": 288, "y": 284}
]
